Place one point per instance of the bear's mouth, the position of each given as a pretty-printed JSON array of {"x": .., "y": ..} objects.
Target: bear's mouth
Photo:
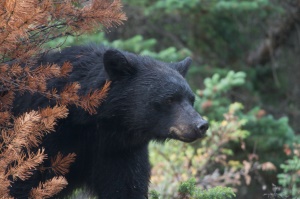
[{"x": 183, "y": 135}]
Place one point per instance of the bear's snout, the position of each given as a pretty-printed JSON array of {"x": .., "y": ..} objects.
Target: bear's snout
[
  {"x": 189, "y": 133},
  {"x": 188, "y": 125},
  {"x": 202, "y": 127}
]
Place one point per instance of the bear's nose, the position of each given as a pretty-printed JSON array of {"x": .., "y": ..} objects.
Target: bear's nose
[{"x": 202, "y": 126}]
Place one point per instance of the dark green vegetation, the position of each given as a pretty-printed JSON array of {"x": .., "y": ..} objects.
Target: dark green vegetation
[{"x": 246, "y": 77}]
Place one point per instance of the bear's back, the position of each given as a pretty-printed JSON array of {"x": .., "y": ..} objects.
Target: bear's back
[{"x": 87, "y": 66}]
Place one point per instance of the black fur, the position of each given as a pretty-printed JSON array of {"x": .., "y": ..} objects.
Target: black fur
[{"x": 147, "y": 100}]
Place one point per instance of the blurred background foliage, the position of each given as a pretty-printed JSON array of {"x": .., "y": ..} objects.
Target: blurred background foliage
[{"x": 246, "y": 78}]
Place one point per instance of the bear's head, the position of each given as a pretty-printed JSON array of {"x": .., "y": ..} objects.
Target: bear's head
[{"x": 150, "y": 99}]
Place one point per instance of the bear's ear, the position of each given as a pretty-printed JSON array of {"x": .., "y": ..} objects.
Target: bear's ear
[
  {"x": 183, "y": 66},
  {"x": 116, "y": 65}
]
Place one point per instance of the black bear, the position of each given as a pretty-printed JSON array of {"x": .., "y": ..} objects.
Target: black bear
[{"x": 148, "y": 100}]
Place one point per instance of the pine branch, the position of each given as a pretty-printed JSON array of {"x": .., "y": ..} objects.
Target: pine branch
[
  {"x": 25, "y": 128},
  {"x": 5, "y": 117},
  {"x": 93, "y": 99},
  {"x": 51, "y": 115},
  {"x": 69, "y": 94},
  {"x": 49, "y": 188},
  {"x": 4, "y": 187},
  {"x": 16, "y": 158},
  {"x": 28, "y": 24},
  {"x": 65, "y": 69},
  {"x": 26, "y": 165},
  {"x": 6, "y": 99},
  {"x": 25, "y": 26},
  {"x": 19, "y": 78},
  {"x": 60, "y": 164}
]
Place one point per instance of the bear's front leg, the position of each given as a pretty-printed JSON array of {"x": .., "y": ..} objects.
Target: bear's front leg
[{"x": 122, "y": 175}]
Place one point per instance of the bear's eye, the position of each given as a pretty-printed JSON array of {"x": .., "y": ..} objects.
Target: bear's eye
[{"x": 170, "y": 100}]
